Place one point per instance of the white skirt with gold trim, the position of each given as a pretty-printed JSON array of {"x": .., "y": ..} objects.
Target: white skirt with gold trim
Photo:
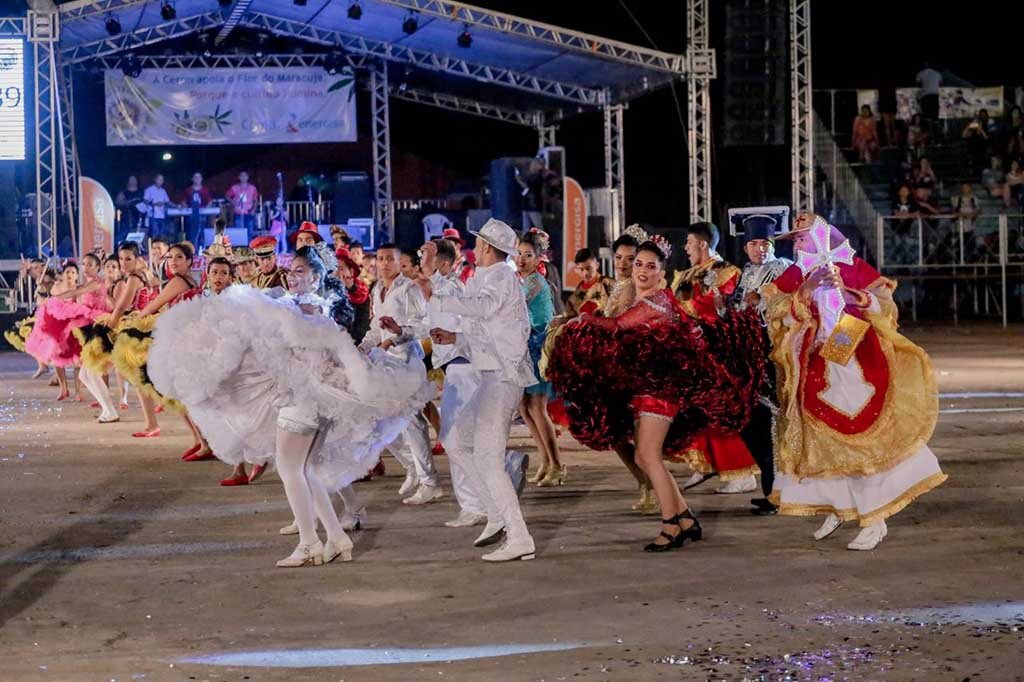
[{"x": 867, "y": 499}]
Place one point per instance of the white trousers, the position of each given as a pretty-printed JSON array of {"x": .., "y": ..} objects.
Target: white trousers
[
  {"x": 475, "y": 438},
  {"x": 412, "y": 450},
  {"x": 461, "y": 382}
]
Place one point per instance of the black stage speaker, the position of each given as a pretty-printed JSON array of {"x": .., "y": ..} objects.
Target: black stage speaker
[
  {"x": 352, "y": 197},
  {"x": 755, "y": 72},
  {"x": 507, "y": 194}
]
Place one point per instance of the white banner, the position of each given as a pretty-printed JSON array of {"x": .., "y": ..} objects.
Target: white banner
[
  {"x": 230, "y": 106},
  {"x": 953, "y": 102}
]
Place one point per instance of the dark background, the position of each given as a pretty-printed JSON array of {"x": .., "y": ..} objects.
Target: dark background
[{"x": 867, "y": 44}]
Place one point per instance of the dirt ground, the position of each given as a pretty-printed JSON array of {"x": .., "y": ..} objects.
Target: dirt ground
[{"x": 120, "y": 562}]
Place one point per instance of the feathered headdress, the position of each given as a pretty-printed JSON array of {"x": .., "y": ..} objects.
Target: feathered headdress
[{"x": 326, "y": 255}]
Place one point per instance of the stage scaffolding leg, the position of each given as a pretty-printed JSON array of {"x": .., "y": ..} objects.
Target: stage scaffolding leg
[
  {"x": 384, "y": 212},
  {"x": 615, "y": 163},
  {"x": 545, "y": 135},
  {"x": 43, "y": 35},
  {"x": 69, "y": 151},
  {"x": 698, "y": 105},
  {"x": 802, "y": 112}
]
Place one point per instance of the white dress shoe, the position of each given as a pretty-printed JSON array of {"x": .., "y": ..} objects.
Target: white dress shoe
[
  {"x": 520, "y": 550},
  {"x": 304, "y": 555},
  {"x": 490, "y": 535},
  {"x": 831, "y": 525},
  {"x": 291, "y": 529},
  {"x": 337, "y": 549},
  {"x": 466, "y": 519},
  {"x": 425, "y": 495},
  {"x": 109, "y": 418},
  {"x": 410, "y": 484},
  {"x": 353, "y": 520},
  {"x": 696, "y": 480},
  {"x": 746, "y": 484},
  {"x": 868, "y": 538}
]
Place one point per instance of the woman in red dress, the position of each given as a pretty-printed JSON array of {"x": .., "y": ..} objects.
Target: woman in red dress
[{"x": 673, "y": 376}]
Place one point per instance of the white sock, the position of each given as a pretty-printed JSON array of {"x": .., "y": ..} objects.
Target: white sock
[
  {"x": 94, "y": 383},
  {"x": 350, "y": 498},
  {"x": 290, "y": 456}
]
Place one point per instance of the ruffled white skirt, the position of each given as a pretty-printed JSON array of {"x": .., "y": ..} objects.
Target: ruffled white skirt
[{"x": 240, "y": 361}]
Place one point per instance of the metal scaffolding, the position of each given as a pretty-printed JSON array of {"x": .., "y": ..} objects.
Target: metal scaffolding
[
  {"x": 802, "y": 111},
  {"x": 43, "y": 33},
  {"x": 701, "y": 71},
  {"x": 615, "y": 158},
  {"x": 546, "y": 133},
  {"x": 382, "y": 206}
]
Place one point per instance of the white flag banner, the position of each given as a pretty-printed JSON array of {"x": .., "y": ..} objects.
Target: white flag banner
[{"x": 230, "y": 106}]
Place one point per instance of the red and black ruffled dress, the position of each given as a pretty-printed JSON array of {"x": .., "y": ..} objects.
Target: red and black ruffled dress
[{"x": 655, "y": 360}]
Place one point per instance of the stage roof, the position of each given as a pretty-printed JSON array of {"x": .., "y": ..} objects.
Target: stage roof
[{"x": 545, "y": 67}]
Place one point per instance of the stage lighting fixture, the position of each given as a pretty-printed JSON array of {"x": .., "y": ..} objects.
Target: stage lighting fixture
[
  {"x": 167, "y": 11},
  {"x": 113, "y": 25},
  {"x": 166, "y": 156},
  {"x": 299, "y": 3},
  {"x": 334, "y": 62},
  {"x": 131, "y": 67},
  {"x": 465, "y": 39},
  {"x": 355, "y": 11},
  {"x": 410, "y": 24}
]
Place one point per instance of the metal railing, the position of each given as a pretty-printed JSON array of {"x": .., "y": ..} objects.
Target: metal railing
[
  {"x": 970, "y": 254},
  {"x": 846, "y": 186}
]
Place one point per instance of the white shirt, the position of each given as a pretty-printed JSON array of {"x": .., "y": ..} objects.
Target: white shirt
[
  {"x": 449, "y": 285},
  {"x": 495, "y": 322},
  {"x": 154, "y": 195},
  {"x": 404, "y": 303},
  {"x": 930, "y": 80}
]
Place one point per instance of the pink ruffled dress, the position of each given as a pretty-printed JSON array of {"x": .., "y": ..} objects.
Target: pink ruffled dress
[{"x": 52, "y": 340}]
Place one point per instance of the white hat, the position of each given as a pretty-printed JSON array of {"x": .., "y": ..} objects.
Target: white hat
[{"x": 499, "y": 235}]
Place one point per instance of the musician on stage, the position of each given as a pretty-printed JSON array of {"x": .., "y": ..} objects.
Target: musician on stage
[
  {"x": 157, "y": 201},
  {"x": 127, "y": 202},
  {"x": 245, "y": 198},
  {"x": 195, "y": 197}
]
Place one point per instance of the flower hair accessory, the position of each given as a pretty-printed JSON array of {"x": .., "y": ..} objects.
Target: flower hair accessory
[
  {"x": 638, "y": 233},
  {"x": 662, "y": 244},
  {"x": 543, "y": 238}
]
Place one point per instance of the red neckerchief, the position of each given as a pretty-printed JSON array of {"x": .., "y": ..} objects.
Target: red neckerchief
[{"x": 359, "y": 293}]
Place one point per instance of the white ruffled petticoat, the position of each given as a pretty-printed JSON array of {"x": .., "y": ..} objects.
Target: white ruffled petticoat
[{"x": 235, "y": 360}]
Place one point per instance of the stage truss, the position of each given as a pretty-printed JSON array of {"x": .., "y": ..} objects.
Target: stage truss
[{"x": 546, "y": 101}]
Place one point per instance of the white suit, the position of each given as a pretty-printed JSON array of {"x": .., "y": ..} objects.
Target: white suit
[
  {"x": 494, "y": 325},
  {"x": 404, "y": 303}
]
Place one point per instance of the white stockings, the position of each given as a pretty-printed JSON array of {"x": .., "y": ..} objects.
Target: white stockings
[{"x": 307, "y": 495}]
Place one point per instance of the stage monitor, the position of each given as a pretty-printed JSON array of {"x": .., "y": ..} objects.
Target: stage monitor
[{"x": 12, "y": 99}]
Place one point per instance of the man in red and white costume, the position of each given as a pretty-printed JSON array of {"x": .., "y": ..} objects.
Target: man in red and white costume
[{"x": 858, "y": 400}]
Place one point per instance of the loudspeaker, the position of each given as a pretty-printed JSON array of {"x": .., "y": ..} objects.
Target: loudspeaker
[
  {"x": 506, "y": 193},
  {"x": 755, "y": 73},
  {"x": 352, "y": 197}
]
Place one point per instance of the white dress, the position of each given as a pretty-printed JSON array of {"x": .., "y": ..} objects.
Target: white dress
[{"x": 238, "y": 359}]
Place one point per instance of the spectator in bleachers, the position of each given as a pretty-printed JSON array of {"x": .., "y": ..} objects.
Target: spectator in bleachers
[
  {"x": 930, "y": 81},
  {"x": 906, "y": 208},
  {"x": 887, "y": 112},
  {"x": 966, "y": 207},
  {"x": 993, "y": 179},
  {"x": 1015, "y": 185},
  {"x": 865, "y": 135},
  {"x": 979, "y": 141},
  {"x": 925, "y": 186},
  {"x": 1014, "y": 123},
  {"x": 917, "y": 133},
  {"x": 1015, "y": 147}
]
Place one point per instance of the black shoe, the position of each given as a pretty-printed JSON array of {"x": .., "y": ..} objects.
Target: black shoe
[
  {"x": 693, "y": 533},
  {"x": 765, "y": 511},
  {"x": 762, "y": 502}
]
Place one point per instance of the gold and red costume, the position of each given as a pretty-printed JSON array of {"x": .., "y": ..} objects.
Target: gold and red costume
[
  {"x": 858, "y": 402},
  {"x": 699, "y": 291},
  {"x": 589, "y": 297}
]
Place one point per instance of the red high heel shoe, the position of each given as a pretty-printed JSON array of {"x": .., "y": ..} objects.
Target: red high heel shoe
[
  {"x": 201, "y": 456},
  {"x": 256, "y": 472},
  {"x": 147, "y": 434},
  {"x": 78, "y": 398},
  {"x": 159, "y": 409},
  {"x": 438, "y": 449},
  {"x": 191, "y": 451},
  {"x": 62, "y": 396},
  {"x": 124, "y": 406},
  {"x": 94, "y": 405},
  {"x": 240, "y": 479}
]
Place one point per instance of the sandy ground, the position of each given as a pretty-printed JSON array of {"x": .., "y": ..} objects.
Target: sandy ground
[{"x": 119, "y": 562}]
